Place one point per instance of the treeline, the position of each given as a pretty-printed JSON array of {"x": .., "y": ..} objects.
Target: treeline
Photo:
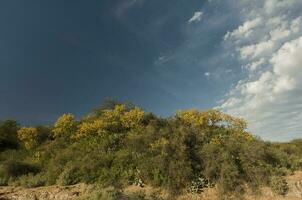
[{"x": 119, "y": 145}]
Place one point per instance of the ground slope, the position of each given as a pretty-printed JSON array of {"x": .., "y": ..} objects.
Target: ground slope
[{"x": 80, "y": 191}]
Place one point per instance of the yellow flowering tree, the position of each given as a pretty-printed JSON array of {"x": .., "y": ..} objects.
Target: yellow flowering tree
[
  {"x": 210, "y": 118},
  {"x": 114, "y": 120},
  {"x": 65, "y": 126},
  {"x": 132, "y": 118},
  {"x": 91, "y": 128},
  {"x": 192, "y": 116},
  {"x": 28, "y": 136}
]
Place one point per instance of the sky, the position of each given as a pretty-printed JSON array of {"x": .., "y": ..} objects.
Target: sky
[{"x": 239, "y": 56}]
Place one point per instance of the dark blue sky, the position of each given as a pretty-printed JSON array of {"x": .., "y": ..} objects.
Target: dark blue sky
[{"x": 60, "y": 56}]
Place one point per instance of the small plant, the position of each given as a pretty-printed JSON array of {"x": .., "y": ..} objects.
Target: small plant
[
  {"x": 69, "y": 176},
  {"x": 103, "y": 195},
  {"x": 112, "y": 195},
  {"x": 137, "y": 179},
  {"x": 29, "y": 181},
  {"x": 140, "y": 195},
  {"x": 198, "y": 184},
  {"x": 3, "y": 181},
  {"x": 281, "y": 171},
  {"x": 279, "y": 185},
  {"x": 155, "y": 196}
]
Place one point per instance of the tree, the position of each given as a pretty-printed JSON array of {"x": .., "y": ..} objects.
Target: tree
[
  {"x": 8, "y": 134},
  {"x": 28, "y": 136},
  {"x": 117, "y": 120},
  {"x": 65, "y": 126},
  {"x": 211, "y": 118}
]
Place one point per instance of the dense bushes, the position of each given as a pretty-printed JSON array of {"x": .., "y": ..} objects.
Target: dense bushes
[
  {"x": 120, "y": 144},
  {"x": 14, "y": 168},
  {"x": 279, "y": 185},
  {"x": 8, "y": 135},
  {"x": 28, "y": 181}
]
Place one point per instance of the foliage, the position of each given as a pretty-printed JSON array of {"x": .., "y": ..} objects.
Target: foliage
[
  {"x": 279, "y": 185},
  {"x": 14, "y": 168},
  {"x": 8, "y": 135},
  {"x": 119, "y": 144},
  {"x": 69, "y": 176},
  {"x": 116, "y": 120},
  {"x": 65, "y": 126},
  {"x": 44, "y": 134},
  {"x": 198, "y": 184},
  {"x": 108, "y": 195},
  {"x": 3, "y": 181},
  {"x": 29, "y": 181},
  {"x": 28, "y": 136}
]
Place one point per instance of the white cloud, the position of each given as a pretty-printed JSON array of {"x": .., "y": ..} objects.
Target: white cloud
[
  {"x": 255, "y": 65},
  {"x": 207, "y": 74},
  {"x": 256, "y": 50},
  {"x": 269, "y": 45},
  {"x": 196, "y": 17},
  {"x": 244, "y": 30},
  {"x": 280, "y": 6}
]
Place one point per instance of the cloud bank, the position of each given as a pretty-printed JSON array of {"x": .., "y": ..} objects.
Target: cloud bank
[{"x": 268, "y": 44}]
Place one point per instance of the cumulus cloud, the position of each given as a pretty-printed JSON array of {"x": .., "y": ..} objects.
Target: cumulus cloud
[
  {"x": 196, "y": 17},
  {"x": 268, "y": 43}
]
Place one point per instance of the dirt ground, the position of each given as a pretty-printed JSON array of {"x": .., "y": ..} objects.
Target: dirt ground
[{"x": 79, "y": 191}]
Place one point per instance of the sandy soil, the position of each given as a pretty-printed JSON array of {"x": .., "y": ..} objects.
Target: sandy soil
[{"x": 80, "y": 190}]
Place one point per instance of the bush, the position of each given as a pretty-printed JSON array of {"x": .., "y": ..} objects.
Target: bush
[
  {"x": 3, "y": 181},
  {"x": 198, "y": 184},
  {"x": 155, "y": 196},
  {"x": 93, "y": 196},
  {"x": 16, "y": 168},
  {"x": 282, "y": 171},
  {"x": 140, "y": 195},
  {"x": 29, "y": 181},
  {"x": 111, "y": 195},
  {"x": 8, "y": 135},
  {"x": 69, "y": 176},
  {"x": 279, "y": 185}
]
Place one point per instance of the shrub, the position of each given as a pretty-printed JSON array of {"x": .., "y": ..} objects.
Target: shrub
[
  {"x": 29, "y": 181},
  {"x": 155, "y": 196},
  {"x": 3, "y": 181},
  {"x": 8, "y": 135},
  {"x": 111, "y": 195},
  {"x": 198, "y": 184},
  {"x": 158, "y": 178},
  {"x": 140, "y": 195},
  {"x": 69, "y": 176},
  {"x": 16, "y": 168},
  {"x": 282, "y": 171},
  {"x": 279, "y": 185}
]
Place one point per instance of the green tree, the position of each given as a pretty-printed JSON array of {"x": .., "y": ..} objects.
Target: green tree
[{"x": 8, "y": 134}]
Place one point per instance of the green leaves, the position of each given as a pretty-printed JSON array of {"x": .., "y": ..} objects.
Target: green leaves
[{"x": 118, "y": 145}]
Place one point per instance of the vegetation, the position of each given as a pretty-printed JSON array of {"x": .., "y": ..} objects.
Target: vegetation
[
  {"x": 279, "y": 185},
  {"x": 119, "y": 145}
]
